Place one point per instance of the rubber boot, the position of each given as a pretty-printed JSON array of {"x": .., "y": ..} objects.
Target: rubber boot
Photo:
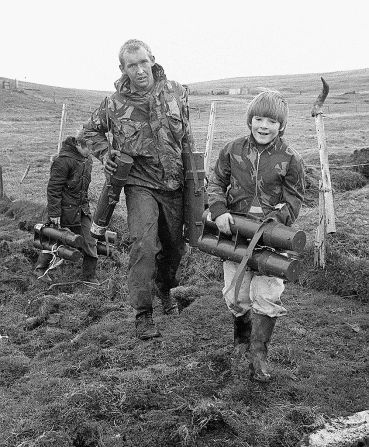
[
  {"x": 145, "y": 327},
  {"x": 170, "y": 306},
  {"x": 242, "y": 327},
  {"x": 262, "y": 330},
  {"x": 89, "y": 269},
  {"x": 43, "y": 263}
]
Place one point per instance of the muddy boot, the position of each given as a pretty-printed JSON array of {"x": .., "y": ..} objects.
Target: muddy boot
[
  {"x": 145, "y": 327},
  {"x": 242, "y": 326},
  {"x": 89, "y": 270},
  {"x": 262, "y": 329},
  {"x": 43, "y": 263},
  {"x": 170, "y": 306}
]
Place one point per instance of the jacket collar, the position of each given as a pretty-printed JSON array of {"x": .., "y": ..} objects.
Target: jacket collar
[
  {"x": 274, "y": 145},
  {"x": 68, "y": 149},
  {"x": 122, "y": 85}
]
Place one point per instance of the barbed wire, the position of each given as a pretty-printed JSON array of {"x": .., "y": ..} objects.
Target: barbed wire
[{"x": 338, "y": 167}]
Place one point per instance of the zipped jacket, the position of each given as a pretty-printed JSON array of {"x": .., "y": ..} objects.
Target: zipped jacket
[
  {"x": 67, "y": 189},
  {"x": 152, "y": 127},
  {"x": 244, "y": 179}
]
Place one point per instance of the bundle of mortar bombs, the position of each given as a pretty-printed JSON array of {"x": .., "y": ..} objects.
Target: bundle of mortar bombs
[
  {"x": 65, "y": 244},
  {"x": 276, "y": 253}
]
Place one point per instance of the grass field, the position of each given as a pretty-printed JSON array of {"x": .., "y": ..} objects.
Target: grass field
[{"x": 72, "y": 373}]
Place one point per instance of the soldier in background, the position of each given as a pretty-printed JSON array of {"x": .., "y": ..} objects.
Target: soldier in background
[
  {"x": 259, "y": 175},
  {"x": 149, "y": 120}
]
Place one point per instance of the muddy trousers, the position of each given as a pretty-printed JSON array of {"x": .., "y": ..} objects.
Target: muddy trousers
[
  {"x": 255, "y": 311},
  {"x": 155, "y": 223}
]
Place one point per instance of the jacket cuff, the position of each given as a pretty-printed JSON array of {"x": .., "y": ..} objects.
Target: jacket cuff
[{"x": 217, "y": 209}]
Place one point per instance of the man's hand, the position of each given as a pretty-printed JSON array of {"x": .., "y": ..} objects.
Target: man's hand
[
  {"x": 55, "y": 221},
  {"x": 223, "y": 223},
  {"x": 109, "y": 166}
]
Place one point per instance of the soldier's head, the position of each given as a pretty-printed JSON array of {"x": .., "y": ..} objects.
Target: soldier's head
[
  {"x": 136, "y": 61},
  {"x": 267, "y": 116}
]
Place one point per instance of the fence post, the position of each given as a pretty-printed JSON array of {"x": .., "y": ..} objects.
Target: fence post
[
  {"x": 62, "y": 122},
  {"x": 209, "y": 139},
  {"x": 320, "y": 234},
  {"x": 25, "y": 173},
  {"x": 326, "y": 207},
  {"x": 1, "y": 183}
]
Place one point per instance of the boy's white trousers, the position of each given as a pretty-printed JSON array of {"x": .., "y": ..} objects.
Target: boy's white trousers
[{"x": 257, "y": 292}]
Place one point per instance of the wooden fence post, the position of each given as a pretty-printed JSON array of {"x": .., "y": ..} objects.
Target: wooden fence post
[
  {"x": 62, "y": 122},
  {"x": 25, "y": 173},
  {"x": 321, "y": 234},
  {"x": 1, "y": 183},
  {"x": 209, "y": 139},
  {"x": 326, "y": 207}
]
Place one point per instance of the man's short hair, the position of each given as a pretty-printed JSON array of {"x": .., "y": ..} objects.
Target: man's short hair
[
  {"x": 270, "y": 103},
  {"x": 131, "y": 46}
]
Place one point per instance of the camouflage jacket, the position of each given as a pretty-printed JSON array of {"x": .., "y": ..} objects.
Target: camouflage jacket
[
  {"x": 152, "y": 127},
  {"x": 267, "y": 183},
  {"x": 67, "y": 189}
]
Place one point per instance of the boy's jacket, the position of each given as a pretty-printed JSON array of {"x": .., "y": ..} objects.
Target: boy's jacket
[
  {"x": 67, "y": 189},
  {"x": 151, "y": 127},
  {"x": 272, "y": 180}
]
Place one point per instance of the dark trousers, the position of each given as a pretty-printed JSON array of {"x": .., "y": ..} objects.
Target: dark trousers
[{"x": 155, "y": 223}]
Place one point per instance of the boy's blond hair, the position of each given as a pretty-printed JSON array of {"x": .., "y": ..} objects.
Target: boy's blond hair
[{"x": 269, "y": 103}]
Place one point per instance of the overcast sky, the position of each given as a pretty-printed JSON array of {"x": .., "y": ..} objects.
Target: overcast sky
[{"x": 75, "y": 43}]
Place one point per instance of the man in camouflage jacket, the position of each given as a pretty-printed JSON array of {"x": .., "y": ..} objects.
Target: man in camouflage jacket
[{"x": 149, "y": 120}]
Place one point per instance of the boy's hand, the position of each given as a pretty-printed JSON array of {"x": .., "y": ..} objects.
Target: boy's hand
[
  {"x": 109, "y": 166},
  {"x": 55, "y": 221},
  {"x": 223, "y": 223}
]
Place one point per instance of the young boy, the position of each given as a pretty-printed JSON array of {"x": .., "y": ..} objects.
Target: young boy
[
  {"x": 262, "y": 176},
  {"x": 68, "y": 204}
]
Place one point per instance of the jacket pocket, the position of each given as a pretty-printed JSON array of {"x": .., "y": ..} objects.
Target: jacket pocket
[
  {"x": 70, "y": 216},
  {"x": 175, "y": 124}
]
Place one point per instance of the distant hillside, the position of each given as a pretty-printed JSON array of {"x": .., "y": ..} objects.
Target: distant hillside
[{"x": 341, "y": 81}]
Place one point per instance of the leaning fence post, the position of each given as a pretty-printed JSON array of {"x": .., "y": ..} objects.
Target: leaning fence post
[
  {"x": 1, "y": 183},
  {"x": 62, "y": 122},
  {"x": 317, "y": 113},
  {"x": 326, "y": 206},
  {"x": 25, "y": 173},
  {"x": 320, "y": 234},
  {"x": 209, "y": 139}
]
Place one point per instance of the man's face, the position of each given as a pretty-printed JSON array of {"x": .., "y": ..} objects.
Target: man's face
[
  {"x": 138, "y": 67},
  {"x": 264, "y": 129}
]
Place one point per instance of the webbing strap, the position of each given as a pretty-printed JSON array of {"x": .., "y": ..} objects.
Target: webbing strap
[{"x": 240, "y": 273}]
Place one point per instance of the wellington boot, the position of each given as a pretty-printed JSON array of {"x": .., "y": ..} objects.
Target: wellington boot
[
  {"x": 145, "y": 327},
  {"x": 41, "y": 275},
  {"x": 170, "y": 306},
  {"x": 89, "y": 270},
  {"x": 242, "y": 327},
  {"x": 262, "y": 330}
]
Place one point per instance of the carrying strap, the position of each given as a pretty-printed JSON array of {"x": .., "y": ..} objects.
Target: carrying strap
[{"x": 240, "y": 273}]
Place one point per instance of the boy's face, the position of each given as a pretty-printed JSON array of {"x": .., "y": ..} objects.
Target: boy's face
[{"x": 264, "y": 129}]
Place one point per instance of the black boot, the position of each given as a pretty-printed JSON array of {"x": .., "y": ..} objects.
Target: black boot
[
  {"x": 262, "y": 330},
  {"x": 170, "y": 306},
  {"x": 145, "y": 327},
  {"x": 89, "y": 269},
  {"x": 242, "y": 327},
  {"x": 43, "y": 263}
]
